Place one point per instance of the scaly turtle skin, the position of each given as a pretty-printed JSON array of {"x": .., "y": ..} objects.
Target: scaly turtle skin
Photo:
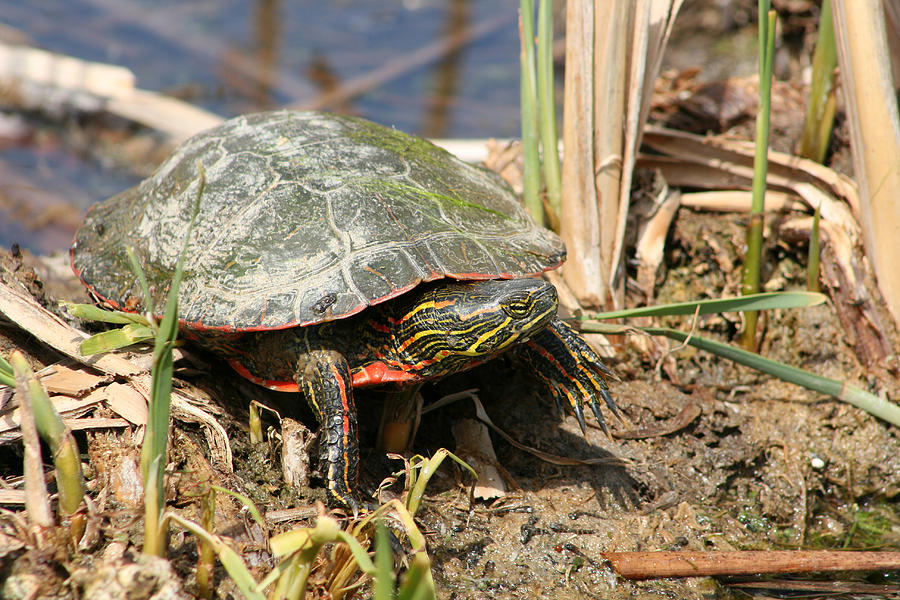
[{"x": 329, "y": 253}]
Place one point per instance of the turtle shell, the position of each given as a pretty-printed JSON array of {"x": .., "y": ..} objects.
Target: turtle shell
[{"x": 305, "y": 217}]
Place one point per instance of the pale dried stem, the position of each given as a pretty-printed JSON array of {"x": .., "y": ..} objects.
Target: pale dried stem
[
  {"x": 579, "y": 219},
  {"x": 651, "y": 24},
  {"x": 611, "y": 44},
  {"x": 874, "y": 124},
  {"x": 651, "y": 243},
  {"x": 613, "y": 52}
]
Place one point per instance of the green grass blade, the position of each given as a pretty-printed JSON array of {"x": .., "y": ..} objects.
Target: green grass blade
[
  {"x": 107, "y": 341},
  {"x": 306, "y": 539},
  {"x": 359, "y": 553},
  {"x": 278, "y": 572},
  {"x": 547, "y": 109},
  {"x": 154, "y": 537},
  {"x": 750, "y": 278},
  {"x": 530, "y": 154},
  {"x": 879, "y": 407},
  {"x": 384, "y": 564},
  {"x": 154, "y": 449},
  {"x": 416, "y": 582},
  {"x": 64, "y": 449},
  {"x": 206, "y": 552},
  {"x": 255, "y": 423},
  {"x": 424, "y": 470},
  {"x": 7, "y": 376},
  {"x": 90, "y": 312},
  {"x": 66, "y": 457},
  {"x": 821, "y": 105},
  {"x": 292, "y": 586},
  {"x": 37, "y": 499},
  {"x": 764, "y": 301}
]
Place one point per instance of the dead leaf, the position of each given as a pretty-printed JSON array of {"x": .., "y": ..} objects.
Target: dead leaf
[
  {"x": 71, "y": 381},
  {"x": 126, "y": 402}
]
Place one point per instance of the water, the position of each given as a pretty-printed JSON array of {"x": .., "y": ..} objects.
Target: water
[{"x": 233, "y": 56}]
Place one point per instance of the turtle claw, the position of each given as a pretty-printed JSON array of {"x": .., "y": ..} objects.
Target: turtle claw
[
  {"x": 595, "y": 408},
  {"x": 579, "y": 414},
  {"x": 607, "y": 397},
  {"x": 572, "y": 370},
  {"x": 557, "y": 397}
]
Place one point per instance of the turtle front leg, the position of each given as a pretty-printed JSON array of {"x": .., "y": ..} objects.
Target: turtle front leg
[
  {"x": 324, "y": 378},
  {"x": 571, "y": 369}
]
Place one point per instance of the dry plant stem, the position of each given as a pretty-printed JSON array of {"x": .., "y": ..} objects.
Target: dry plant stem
[
  {"x": 739, "y": 201},
  {"x": 656, "y": 565},
  {"x": 602, "y": 126},
  {"x": 51, "y": 330},
  {"x": 651, "y": 243},
  {"x": 611, "y": 48},
  {"x": 579, "y": 219},
  {"x": 875, "y": 135},
  {"x": 154, "y": 537},
  {"x": 37, "y": 500},
  {"x": 650, "y": 25},
  {"x": 814, "y": 254},
  {"x": 892, "y": 11}
]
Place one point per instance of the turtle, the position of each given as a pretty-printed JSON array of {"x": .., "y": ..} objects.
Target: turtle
[{"x": 327, "y": 253}]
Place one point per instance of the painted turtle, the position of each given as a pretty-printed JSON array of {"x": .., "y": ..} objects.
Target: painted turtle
[{"x": 329, "y": 253}]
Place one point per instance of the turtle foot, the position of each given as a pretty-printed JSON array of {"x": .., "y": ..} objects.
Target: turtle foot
[{"x": 572, "y": 370}]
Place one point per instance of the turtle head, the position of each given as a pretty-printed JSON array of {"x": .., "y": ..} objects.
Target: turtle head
[{"x": 453, "y": 324}]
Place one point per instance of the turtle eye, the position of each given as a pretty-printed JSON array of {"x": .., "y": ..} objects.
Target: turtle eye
[{"x": 518, "y": 306}]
